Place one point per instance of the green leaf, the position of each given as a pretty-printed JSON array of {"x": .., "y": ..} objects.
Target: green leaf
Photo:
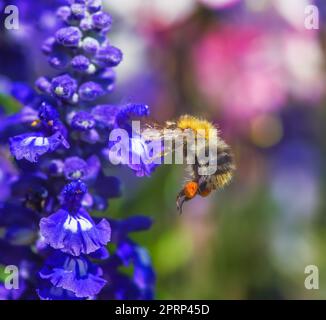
[
  {"x": 10, "y": 104},
  {"x": 2, "y": 273}
]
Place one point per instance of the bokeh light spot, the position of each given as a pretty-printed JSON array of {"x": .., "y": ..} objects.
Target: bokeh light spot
[{"x": 266, "y": 131}]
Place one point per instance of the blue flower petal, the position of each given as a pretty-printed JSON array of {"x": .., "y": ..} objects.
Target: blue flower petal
[
  {"x": 82, "y": 121},
  {"x": 76, "y": 274},
  {"x": 75, "y": 234},
  {"x": 46, "y": 291},
  {"x": 121, "y": 228},
  {"x": 75, "y": 168},
  {"x": 32, "y": 145},
  {"x": 135, "y": 152},
  {"x": 100, "y": 254}
]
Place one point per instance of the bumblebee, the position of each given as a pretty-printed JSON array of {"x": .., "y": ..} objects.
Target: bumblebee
[{"x": 197, "y": 182}]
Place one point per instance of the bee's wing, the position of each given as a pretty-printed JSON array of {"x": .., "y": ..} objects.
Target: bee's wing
[{"x": 157, "y": 133}]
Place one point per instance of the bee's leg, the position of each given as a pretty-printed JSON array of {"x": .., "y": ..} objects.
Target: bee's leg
[
  {"x": 181, "y": 198},
  {"x": 187, "y": 193}
]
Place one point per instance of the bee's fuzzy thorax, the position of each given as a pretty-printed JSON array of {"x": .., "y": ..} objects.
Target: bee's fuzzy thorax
[{"x": 191, "y": 122}]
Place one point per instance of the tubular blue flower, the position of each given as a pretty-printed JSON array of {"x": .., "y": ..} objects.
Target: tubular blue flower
[
  {"x": 132, "y": 110},
  {"x": 76, "y": 274},
  {"x": 32, "y": 145},
  {"x": 112, "y": 116},
  {"x": 71, "y": 229},
  {"x": 75, "y": 168},
  {"x": 135, "y": 152},
  {"x": 74, "y": 234},
  {"x": 139, "y": 150},
  {"x": 83, "y": 121}
]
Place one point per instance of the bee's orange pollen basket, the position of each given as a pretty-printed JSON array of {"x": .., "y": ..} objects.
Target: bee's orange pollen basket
[{"x": 190, "y": 189}]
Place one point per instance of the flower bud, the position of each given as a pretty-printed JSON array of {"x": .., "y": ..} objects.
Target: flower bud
[
  {"x": 90, "y": 91},
  {"x": 80, "y": 63},
  {"x": 64, "y": 86},
  {"x": 108, "y": 56},
  {"x": 69, "y": 36}
]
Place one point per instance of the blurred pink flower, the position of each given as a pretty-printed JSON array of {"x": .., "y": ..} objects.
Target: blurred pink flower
[
  {"x": 156, "y": 14},
  {"x": 246, "y": 70},
  {"x": 217, "y": 4},
  {"x": 161, "y": 14}
]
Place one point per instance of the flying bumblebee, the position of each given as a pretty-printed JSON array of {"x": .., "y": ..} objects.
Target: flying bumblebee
[{"x": 199, "y": 181}]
